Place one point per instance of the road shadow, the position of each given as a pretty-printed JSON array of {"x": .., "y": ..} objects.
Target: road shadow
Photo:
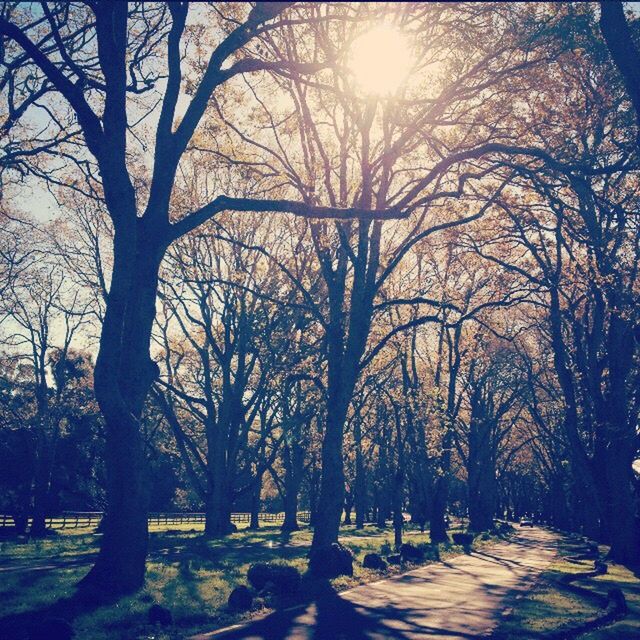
[{"x": 331, "y": 616}]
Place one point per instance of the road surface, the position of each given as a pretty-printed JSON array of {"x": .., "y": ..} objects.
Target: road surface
[{"x": 461, "y": 598}]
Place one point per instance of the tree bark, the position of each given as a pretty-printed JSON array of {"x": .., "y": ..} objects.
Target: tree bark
[
  {"x": 481, "y": 473},
  {"x": 124, "y": 374},
  {"x": 218, "y": 507},
  {"x": 331, "y": 499},
  {"x": 398, "y": 517},
  {"x": 348, "y": 506},
  {"x": 290, "y": 509},
  {"x": 359, "y": 490},
  {"x": 625, "y": 54},
  {"x": 254, "y": 524}
]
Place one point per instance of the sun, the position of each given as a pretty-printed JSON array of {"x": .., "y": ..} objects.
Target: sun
[{"x": 380, "y": 60}]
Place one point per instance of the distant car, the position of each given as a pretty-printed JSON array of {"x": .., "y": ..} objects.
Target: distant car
[{"x": 526, "y": 522}]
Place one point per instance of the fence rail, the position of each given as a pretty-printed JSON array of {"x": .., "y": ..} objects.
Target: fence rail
[{"x": 86, "y": 519}]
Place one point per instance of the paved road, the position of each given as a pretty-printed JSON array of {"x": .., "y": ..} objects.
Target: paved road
[{"x": 454, "y": 600}]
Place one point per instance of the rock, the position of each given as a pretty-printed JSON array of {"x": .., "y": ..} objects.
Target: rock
[
  {"x": 52, "y": 629},
  {"x": 411, "y": 553},
  {"x": 284, "y": 579},
  {"x": 394, "y": 559},
  {"x": 600, "y": 567},
  {"x": 331, "y": 561},
  {"x": 258, "y": 575},
  {"x": 240, "y": 599},
  {"x": 268, "y": 589},
  {"x": 374, "y": 561},
  {"x": 159, "y": 615},
  {"x": 589, "y": 552},
  {"x": 617, "y": 599},
  {"x": 464, "y": 539}
]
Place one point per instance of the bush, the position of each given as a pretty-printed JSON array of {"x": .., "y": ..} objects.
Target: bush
[
  {"x": 503, "y": 528},
  {"x": 258, "y": 575},
  {"x": 374, "y": 561},
  {"x": 464, "y": 539},
  {"x": 411, "y": 553},
  {"x": 240, "y": 599},
  {"x": 284, "y": 578},
  {"x": 331, "y": 561}
]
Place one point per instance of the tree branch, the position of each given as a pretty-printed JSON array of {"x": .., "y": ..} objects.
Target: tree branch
[{"x": 225, "y": 203}]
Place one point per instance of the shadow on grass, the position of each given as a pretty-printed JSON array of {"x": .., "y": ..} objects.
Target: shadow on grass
[
  {"x": 189, "y": 554},
  {"x": 19, "y": 626}
]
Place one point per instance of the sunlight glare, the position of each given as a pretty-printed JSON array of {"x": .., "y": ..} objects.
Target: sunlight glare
[{"x": 380, "y": 60}]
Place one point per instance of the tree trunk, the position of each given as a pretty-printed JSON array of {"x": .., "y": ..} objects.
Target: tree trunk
[
  {"x": 20, "y": 522},
  {"x": 398, "y": 517},
  {"x": 359, "y": 490},
  {"x": 625, "y": 541},
  {"x": 294, "y": 461},
  {"x": 381, "y": 511},
  {"x": 331, "y": 499},
  {"x": 290, "y": 509},
  {"x": 44, "y": 461},
  {"x": 254, "y": 524},
  {"x": 438, "y": 525},
  {"x": 481, "y": 473},
  {"x": 621, "y": 436},
  {"x": 314, "y": 493},
  {"x": 123, "y": 377},
  {"x": 38, "y": 527},
  {"x": 121, "y": 562},
  {"x": 218, "y": 508},
  {"x": 481, "y": 501},
  {"x": 348, "y": 506}
]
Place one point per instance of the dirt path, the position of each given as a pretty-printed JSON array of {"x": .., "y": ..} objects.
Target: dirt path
[{"x": 458, "y": 599}]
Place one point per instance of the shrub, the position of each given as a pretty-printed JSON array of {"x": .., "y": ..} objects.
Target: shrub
[
  {"x": 465, "y": 539},
  {"x": 331, "y": 561},
  {"x": 411, "y": 553},
  {"x": 240, "y": 599},
  {"x": 284, "y": 578},
  {"x": 374, "y": 561}
]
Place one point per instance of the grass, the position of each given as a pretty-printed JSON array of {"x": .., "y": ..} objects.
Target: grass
[
  {"x": 186, "y": 572},
  {"x": 551, "y": 608}
]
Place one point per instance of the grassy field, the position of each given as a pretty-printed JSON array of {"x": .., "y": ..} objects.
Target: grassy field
[
  {"x": 187, "y": 573},
  {"x": 550, "y": 608}
]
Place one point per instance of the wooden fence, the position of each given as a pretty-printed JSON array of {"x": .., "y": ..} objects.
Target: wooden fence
[{"x": 87, "y": 519}]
